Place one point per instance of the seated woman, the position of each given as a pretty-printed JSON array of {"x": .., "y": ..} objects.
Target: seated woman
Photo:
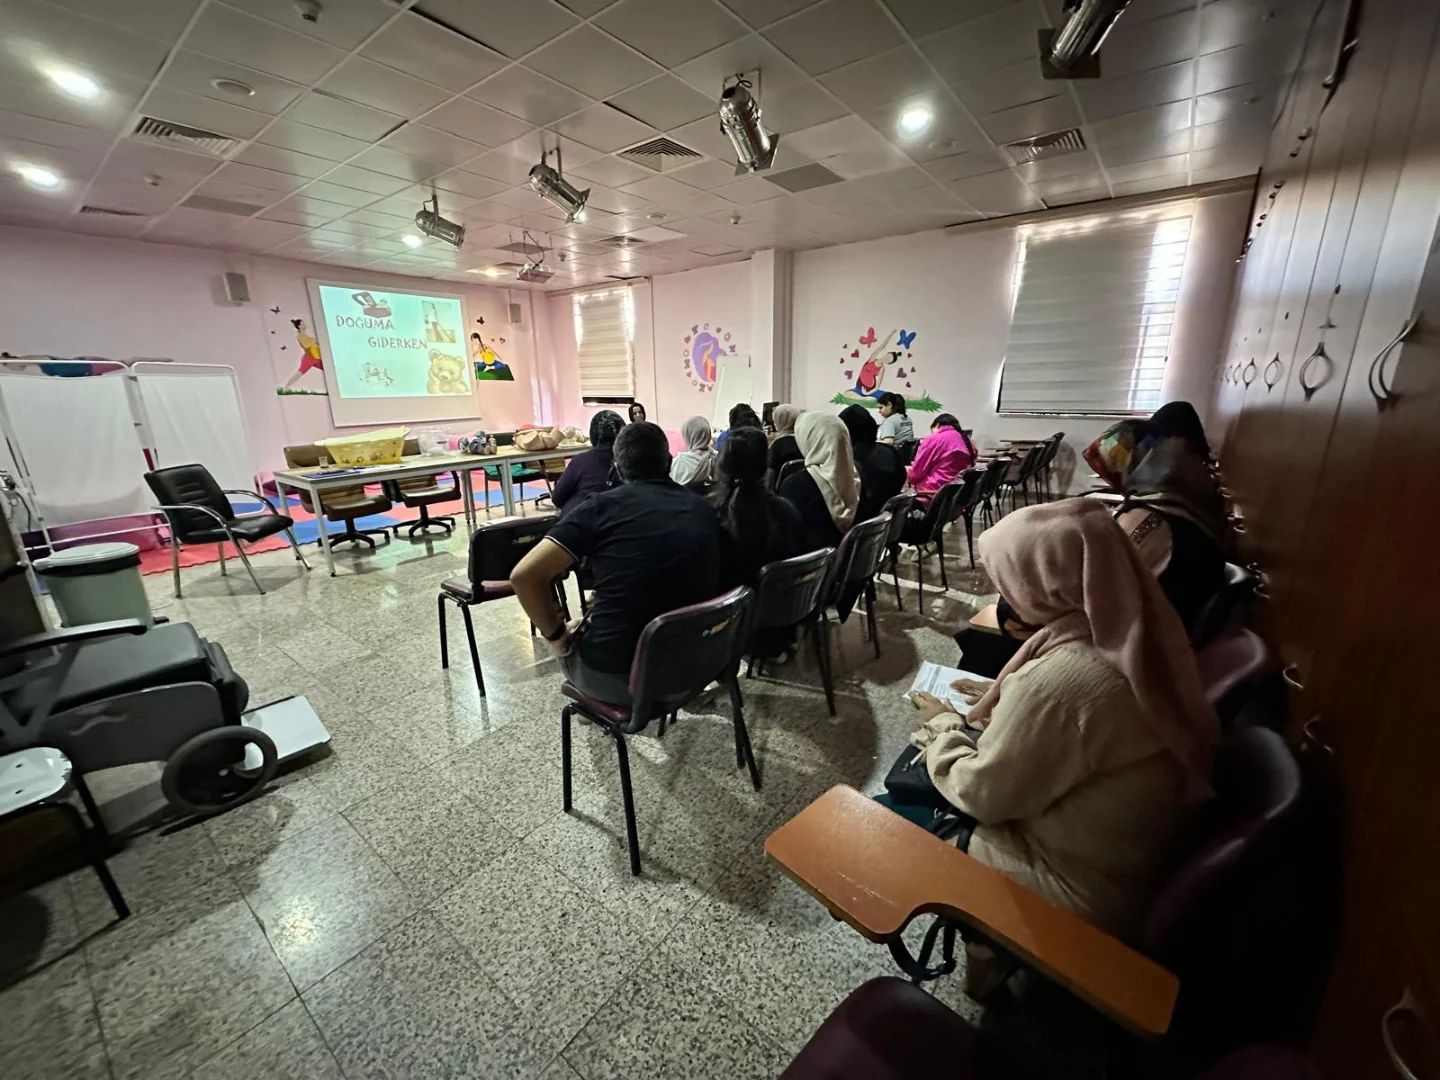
[
  {"x": 1095, "y": 737},
  {"x": 942, "y": 457},
  {"x": 827, "y": 491},
  {"x": 589, "y": 471},
  {"x": 881, "y": 474},
  {"x": 759, "y": 527},
  {"x": 784, "y": 448},
  {"x": 1173, "y": 512},
  {"x": 895, "y": 426},
  {"x": 694, "y": 467},
  {"x": 637, "y": 413},
  {"x": 741, "y": 416}
]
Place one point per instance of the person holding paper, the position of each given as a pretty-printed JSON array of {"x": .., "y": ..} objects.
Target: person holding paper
[{"x": 1095, "y": 737}]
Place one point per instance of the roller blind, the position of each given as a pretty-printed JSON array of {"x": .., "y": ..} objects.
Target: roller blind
[
  {"x": 1095, "y": 302},
  {"x": 605, "y": 344}
]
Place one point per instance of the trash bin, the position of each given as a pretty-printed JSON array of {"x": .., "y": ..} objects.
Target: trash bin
[{"x": 96, "y": 583}]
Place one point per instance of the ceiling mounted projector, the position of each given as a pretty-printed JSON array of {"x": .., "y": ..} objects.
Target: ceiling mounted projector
[
  {"x": 558, "y": 191},
  {"x": 740, "y": 121},
  {"x": 429, "y": 222},
  {"x": 536, "y": 272}
]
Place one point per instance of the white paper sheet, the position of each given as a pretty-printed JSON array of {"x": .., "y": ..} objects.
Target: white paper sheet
[{"x": 935, "y": 680}]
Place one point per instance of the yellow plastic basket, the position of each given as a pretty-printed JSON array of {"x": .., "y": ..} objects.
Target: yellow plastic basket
[{"x": 384, "y": 446}]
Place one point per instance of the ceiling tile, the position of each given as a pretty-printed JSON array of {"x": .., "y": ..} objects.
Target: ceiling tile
[
  {"x": 383, "y": 87},
  {"x": 610, "y": 171},
  {"x": 658, "y": 189},
  {"x": 751, "y": 53},
  {"x": 716, "y": 249},
  {"x": 705, "y": 136},
  {"x": 1146, "y": 186},
  {"x": 1244, "y": 128},
  {"x": 1238, "y": 158},
  {"x": 512, "y": 27},
  {"x": 469, "y": 184},
  {"x": 1005, "y": 88},
  {"x": 299, "y": 211},
  {"x": 996, "y": 193},
  {"x": 1126, "y": 93},
  {"x": 381, "y": 220},
  {"x": 1078, "y": 195},
  {"x": 706, "y": 174},
  {"x": 1236, "y": 103},
  {"x": 36, "y": 33},
  {"x": 192, "y": 73},
  {"x": 343, "y": 25},
  {"x": 377, "y": 184},
  {"x": 395, "y": 163},
  {"x": 834, "y": 33},
  {"x": 232, "y": 35},
  {"x": 39, "y": 98},
  {"x": 1049, "y": 189},
  {"x": 1176, "y": 167},
  {"x": 759, "y": 13},
  {"x": 1145, "y": 145},
  {"x": 970, "y": 163},
  {"x": 663, "y": 103},
  {"x": 950, "y": 131},
  {"x": 1001, "y": 38},
  {"x": 34, "y": 129},
  {"x": 671, "y": 32},
  {"x": 162, "y": 19},
  {"x": 797, "y": 107},
  {"x": 268, "y": 179},
  {"x": 592, "y": 62},
  {"x": 882, "y": 78},
  {"x": 342, "y": 116},
  {"x": 1027, "y": 121},
  {"x": 527, "y": 151},
  {"x": 504, "y": 167},
  {"x": 1157, "y": 120},
  {"x": 287, "y": 134},
  {"x": 1252, "y": 62},
  {"x": 921, "y": 17},
  {"x": 1052, "y": 168},
  {"x": 586, "y": 8},
  {"x": 694, "y": 202},
  {"x": 478, "y": 123},
  {"x": 529, "y": 95},
  {"x": 1132, "y": 47},
  {"x": 432, "y": 145},
  {"x": 604, "y": 128},
  {"x": 615, "y": 202},
  {"x": 204, "y": 113},
  {"x": 336, "y": 193},
  {"x": 439, "y": 55},
  {"x": 1227, "y": 23}
]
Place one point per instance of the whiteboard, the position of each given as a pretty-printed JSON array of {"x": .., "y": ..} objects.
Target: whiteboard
[{"x": 734, "y": 383}]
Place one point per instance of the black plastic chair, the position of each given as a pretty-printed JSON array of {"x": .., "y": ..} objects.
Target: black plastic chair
[
  {"x": 1019, "y": 476},
  {"x": 1048, "y": 463},
  {"x": 198, "y": 512},
  {"x": 995, "y": 473},
  {"x": 678, "y": 655},
  {"x": 922, "y": 532},
  {"x": 787, "y": 594},
  {"x": 857, "y": 560},
  {"x": 495, "y": 550},
  {"x": 1235, "y": 594},
  {"x": 790, "y": 468},
  {"x": 966, "y": 503},
  {"x": 898, "y": 507}
]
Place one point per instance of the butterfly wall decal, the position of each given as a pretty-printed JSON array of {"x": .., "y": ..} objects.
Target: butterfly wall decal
[
  {"x": 275, "y": 310},
  {"x": 868, "y": 338},
  {"x": 906, "y": 338}
]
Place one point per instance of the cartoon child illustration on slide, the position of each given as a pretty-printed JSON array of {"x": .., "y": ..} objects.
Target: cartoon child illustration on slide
[
  {"x": 310, "y": 359},
  {"x": 488, "y": 365}
]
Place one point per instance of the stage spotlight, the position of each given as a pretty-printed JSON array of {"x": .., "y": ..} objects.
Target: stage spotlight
[
  {"x": 429, "y": 222},
  {"x": 740, "y": 120},
  {"x": 555, "y": 189}
]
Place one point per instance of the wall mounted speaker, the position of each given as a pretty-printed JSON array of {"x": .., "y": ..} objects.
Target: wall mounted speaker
[
  {"x": 237, "y": 288},
  {"x": 517, "y": 315}
]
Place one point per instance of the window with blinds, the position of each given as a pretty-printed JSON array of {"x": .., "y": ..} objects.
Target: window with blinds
[
  {"x": 1095, "y": 302},
  {"x": 605, "y": 345}
]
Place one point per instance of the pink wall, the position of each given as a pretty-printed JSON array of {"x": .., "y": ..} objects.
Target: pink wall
[{"x": 71, "y": 295}]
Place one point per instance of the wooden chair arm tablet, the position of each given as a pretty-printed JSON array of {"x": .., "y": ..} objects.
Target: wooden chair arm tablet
[{"x": 877, "y": 872}]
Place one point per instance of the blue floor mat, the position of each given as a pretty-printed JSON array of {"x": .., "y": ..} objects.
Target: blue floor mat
[{"x": 307, "y": 533}]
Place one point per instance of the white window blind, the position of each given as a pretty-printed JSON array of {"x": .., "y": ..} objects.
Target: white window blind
[
  {"x": 1095, "y": 302},
  {"x": 605, "y": 343}
]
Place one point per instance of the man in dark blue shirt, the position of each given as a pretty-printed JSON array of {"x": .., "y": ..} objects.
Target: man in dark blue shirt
[{"x": 651, "y": 546}]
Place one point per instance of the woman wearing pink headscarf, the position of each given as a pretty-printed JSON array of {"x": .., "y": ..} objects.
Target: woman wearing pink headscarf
[{"x": 1096, "y": 735}]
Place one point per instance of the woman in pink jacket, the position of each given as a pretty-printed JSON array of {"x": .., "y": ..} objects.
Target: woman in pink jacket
[{"x": 942, "y": 457}]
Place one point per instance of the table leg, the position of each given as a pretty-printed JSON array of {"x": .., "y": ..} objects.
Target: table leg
[
  {"x": 324, "y": 531},
  {"x": 507, "y": 488},
  {"x": 467, "y": 493}
]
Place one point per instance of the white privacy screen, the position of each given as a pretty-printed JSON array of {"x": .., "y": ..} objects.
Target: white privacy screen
[
  {"x": 196, "y": 418},
  {"x": 392, "y": 354}
]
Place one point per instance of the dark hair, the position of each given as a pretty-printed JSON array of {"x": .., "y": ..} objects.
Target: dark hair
[
  {"x": 642, "y": 452},
  {"x": 743, "y": 416},
  {"x": 631, "y": 412},
  {"x": 604, "y": 426},
  {"x": 895, "y": 401},
  {"x": 296, "y": 323},
  {"x": 476, "y": 337},
  {"x": 950, "y": 420},
  {"x": 861, "y": 425},
  {"x": 741, "y": 498},
  {"x": 1179, "y": 418}
]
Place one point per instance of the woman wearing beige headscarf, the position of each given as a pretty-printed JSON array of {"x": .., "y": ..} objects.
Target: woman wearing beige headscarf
[
  {"x": 695, "y": 465},
  {"x": 1096, "y": 734},
  {"x": 783, "y": 447},
  {"x": 827, "y": 490}
]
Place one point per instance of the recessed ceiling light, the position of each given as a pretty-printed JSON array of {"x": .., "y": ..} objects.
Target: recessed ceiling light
[
  {"x": 74, "y": 83},
  {"x": 233, "y": 86},
  {"x": 915, "y": 120},
  {"x": 492, "y": 271},
  {"x": 411, "y": 240},
  {"x": 36, "y": 176}
]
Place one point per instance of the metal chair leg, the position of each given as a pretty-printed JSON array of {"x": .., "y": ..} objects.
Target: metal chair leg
[
  {"x": 870, "y": 615},
  {"x": 220, "y": 554},
  {"x": 97, "y": 860},
  {"x": 565, "y": 715},
  {"x": 940, "y": 549},
  {"x": 970, "y": 536},
  {"x": 920, "y": 576},
  {"x": 299, "y": 555},
  {"x": 744, "y": 755},
  {"x": 248, "y": 568},
  {"x": 93, "y": 810},
  {"x": 444, "y": 643},
  {"x": 474, "y": 653},
  {"x": 175, "y": 562},
  {"x": 895, "y": 577},
  {"x": 632, "y": 840},
  {"x": 822, "y": 657}
]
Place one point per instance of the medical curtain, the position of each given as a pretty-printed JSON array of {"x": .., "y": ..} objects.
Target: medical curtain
[
  {"x": 80, "y": 446},
  {"x": 197, "y": 419}
]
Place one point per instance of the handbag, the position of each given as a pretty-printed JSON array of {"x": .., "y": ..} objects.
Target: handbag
[{"x": 910, "y": 783}]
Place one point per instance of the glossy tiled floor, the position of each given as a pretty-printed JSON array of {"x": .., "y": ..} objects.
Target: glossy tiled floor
[{"x": 415, "y": 904}]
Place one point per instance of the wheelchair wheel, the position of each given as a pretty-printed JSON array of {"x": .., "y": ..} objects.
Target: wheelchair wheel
[{"x": 206, "y": 774}]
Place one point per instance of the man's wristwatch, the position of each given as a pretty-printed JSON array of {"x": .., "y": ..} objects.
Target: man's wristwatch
[{"x": 559, "y": 632}]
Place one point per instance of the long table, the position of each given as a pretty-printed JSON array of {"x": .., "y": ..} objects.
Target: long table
[{"x": 315, "y": 481}]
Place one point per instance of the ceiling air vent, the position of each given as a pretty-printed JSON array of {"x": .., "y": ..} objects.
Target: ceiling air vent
[
  {"x": 620, "y": 242},
  {"x": 1045, "y": 146},
  {"x": 184, "y": 137},
  {"x": 660, "y": 154},
  {"x": 221, "y": 206},
  {"x": 110, "y": 212}
]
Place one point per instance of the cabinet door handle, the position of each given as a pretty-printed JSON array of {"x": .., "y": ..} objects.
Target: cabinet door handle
[
  {"x": 1313, "y": 732},
  {"x": 1318, "y": 355},
  {"x": 1376, "y": 375},
  {"x": 1247, "y": 374},
  {"x": 1288, "y": 673},
  {"x": 1406, "y": 1004}
]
